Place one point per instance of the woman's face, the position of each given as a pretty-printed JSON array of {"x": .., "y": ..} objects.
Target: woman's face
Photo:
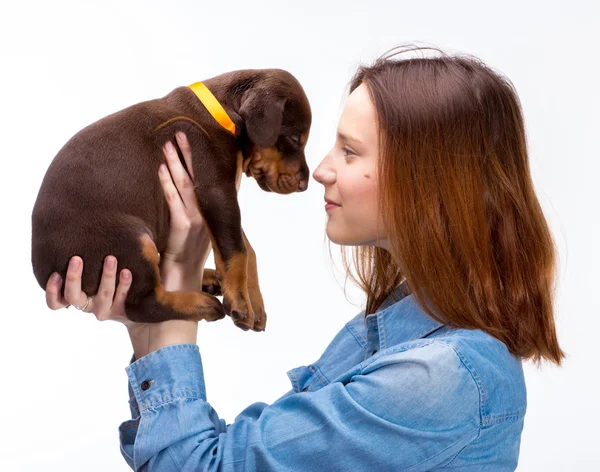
[{"x": 348, "y": 173}]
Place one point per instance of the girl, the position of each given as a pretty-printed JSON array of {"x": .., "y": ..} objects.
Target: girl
[{"x": 429, "y": 182}]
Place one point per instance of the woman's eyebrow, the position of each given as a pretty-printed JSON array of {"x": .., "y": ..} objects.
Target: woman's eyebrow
[{"x": 346, "y": 137}]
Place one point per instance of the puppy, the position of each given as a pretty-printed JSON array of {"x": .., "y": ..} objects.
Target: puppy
[{"x": 101, "y": 194}]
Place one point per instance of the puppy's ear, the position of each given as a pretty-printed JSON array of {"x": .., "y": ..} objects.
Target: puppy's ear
[{"x": 262, "y": 113}]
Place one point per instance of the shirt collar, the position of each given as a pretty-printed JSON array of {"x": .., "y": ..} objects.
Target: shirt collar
[{"x": 400, "y": 319}]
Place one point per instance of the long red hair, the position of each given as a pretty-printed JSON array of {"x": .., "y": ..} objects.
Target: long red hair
[{"x": 458, "y": 205}]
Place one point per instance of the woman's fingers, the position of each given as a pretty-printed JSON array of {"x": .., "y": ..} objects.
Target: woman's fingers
[
  {"x": 176, "y": 205},
  {"x": 186, "y": 150},
  {"x": 108, "y": 303},
  {"x": 54, "y": 299},
  {"x": 73, "y": 293},
  {"x": 122, "y": 289},
  {"x": 180, "y": 177},
  {"x": 103, "y": 300}
]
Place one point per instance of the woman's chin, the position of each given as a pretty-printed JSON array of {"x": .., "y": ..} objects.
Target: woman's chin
[{"x": 340, "y": 238}]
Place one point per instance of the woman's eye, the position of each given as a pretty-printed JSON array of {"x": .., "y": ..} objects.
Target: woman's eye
[{"x": 347, "y": 152}]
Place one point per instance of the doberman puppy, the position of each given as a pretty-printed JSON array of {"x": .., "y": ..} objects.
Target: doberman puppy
[{"x": 101, "y": 194}]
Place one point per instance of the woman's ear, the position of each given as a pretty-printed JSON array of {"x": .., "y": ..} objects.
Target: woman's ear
[{"x": 262, "y": 114}]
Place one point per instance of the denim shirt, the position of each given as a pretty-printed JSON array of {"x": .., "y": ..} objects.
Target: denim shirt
[{"x": 395, "y": 391}]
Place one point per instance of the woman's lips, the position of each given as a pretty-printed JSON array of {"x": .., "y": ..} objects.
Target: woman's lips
[{"x": 330, "y": 206}]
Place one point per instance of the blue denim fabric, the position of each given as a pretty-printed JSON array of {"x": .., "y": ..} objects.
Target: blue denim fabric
[{"x": 395, "y": 391}]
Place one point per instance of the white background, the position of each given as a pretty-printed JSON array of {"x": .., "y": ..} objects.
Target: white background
[{"x": 65, "y": 64}]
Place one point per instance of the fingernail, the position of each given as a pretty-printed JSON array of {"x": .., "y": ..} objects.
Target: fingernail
[
  {"x": 74, "y": 264},
  {"x": 126, "y": 274},
  {"x": 181, "y": 135},
  {"x": 169, "y": 146},
  {"x": 162, "y": 169},
  {"x": 56, "y": 277},
  {"x": 110, "y": 262}
]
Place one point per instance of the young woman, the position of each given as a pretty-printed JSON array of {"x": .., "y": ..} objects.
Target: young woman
[{"x": 429, "y": 182}]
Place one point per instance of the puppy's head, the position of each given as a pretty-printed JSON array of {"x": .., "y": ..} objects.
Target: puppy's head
[{"x": 277, "y": 119}]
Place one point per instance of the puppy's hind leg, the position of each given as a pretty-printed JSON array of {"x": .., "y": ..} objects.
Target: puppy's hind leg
[{"x": 159, "y": 305}]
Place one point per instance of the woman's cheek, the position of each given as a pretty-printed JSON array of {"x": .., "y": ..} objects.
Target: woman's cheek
[{"x": 360, "y": 199}]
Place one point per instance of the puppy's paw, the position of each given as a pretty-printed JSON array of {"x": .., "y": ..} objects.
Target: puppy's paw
[
  {"x": 240, "y": 310},
  {"x": 211, "y": 283},
  {"x": 260, "y": 317}
]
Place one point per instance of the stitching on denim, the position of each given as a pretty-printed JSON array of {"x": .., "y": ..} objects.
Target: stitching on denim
[
  {"x": 166, "y": 396},
  {"x": 430, "y": 330},
  {"x": 442, "y": 451},
  {"x": 174, "y": 347},
  {"x": 132, "y": 378},
  {"x": 362, "y": 341},
  {"x": 139, "y": 439},
  {"x": 476, "y": 379},
  {"x": 492, "y": 420},
  {"x": 446, "y": 464},
  {"x": 319, "y": 374},
  {"x": 382, "y": 334},
  {"x": 165, "y": 401},
  {"x": 127, "y": 426}
]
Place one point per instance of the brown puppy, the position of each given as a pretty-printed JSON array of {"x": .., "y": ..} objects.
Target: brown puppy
[{"x": 101, "y": 194}]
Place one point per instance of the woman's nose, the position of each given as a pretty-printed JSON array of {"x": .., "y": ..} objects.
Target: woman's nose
[{"x": 324, "y": 173}]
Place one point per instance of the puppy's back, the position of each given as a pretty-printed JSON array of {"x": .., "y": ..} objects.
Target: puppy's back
[{"x": 104, "y": 177}]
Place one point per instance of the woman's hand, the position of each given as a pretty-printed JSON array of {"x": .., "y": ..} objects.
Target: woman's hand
[
  {"x": 107, "y": 304},
  {"x": 188, "y": 244}
]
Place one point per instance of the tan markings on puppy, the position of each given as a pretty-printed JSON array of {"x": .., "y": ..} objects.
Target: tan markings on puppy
[
  {"x": 210, "y": 282},
  {"x": 198, "y": 305},
  {"x": 303, "y": 138},
  {"x": 280, "y": 177},
  {"x": 266, "y": 162},
  {"x": 180, "y": 118},
  {"x": 239, "y": 169},
  {"x": 256, "y": 300},
  {"x": 235, "y": 291},
  {"x": 235, "y": 275},
  {"x": 219, "y": 264}
]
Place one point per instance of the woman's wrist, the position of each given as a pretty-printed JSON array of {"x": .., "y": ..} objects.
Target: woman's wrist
[
  {"x": 176, "y": 276},
  {"x": 172, "y": 332},
  {"x": 163, "y": 334},
  {"x": 139, "y": 337}
]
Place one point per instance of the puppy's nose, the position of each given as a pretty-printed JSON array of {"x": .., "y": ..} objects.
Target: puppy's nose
[{"x": 302, "y": 185}]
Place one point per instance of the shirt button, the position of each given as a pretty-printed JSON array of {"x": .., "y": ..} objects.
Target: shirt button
[
  {"x": 145, "y": 385},
  {"x": 305, "y": 389}
]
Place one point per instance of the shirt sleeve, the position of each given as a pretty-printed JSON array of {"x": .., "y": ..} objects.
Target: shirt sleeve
[{"x": 410, "y": 410}]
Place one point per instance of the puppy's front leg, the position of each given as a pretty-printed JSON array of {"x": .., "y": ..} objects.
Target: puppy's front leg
[
  {"x": 211, "y": 284},
  {"x": 221, "y": 212},
  {"x": 260, "y": 317}
]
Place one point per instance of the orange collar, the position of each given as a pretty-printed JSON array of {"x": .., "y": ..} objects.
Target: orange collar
[{"x": 213, "y": 106}]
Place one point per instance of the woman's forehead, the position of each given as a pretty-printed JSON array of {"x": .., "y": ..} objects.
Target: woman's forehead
[{"x": 358, "y": 119}]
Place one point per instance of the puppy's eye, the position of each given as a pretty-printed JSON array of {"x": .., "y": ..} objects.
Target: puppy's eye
[{"x": 295, "y": 139}]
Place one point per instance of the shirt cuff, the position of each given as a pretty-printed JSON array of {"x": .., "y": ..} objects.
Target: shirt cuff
[
  {"x": 173, "y": 371},
  {"x": 133, "y": 405}
]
